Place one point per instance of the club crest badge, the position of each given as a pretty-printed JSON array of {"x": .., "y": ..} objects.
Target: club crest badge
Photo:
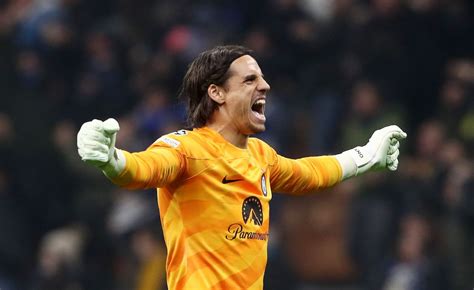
[{"x": 264, "y": 185}]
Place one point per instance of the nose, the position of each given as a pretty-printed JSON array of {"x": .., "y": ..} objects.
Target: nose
[{"x": 263, "y": 86}]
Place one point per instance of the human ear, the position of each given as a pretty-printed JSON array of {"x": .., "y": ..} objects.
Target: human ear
[{"x": 216, "y": 94}]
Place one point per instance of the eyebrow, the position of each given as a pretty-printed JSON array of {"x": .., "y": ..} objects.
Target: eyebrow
[{"x": 252, "y": 77}]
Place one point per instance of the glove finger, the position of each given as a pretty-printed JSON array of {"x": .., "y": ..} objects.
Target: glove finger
[
  {"x": 388, "y": 129},
  {"x": 88, "y": 127},
  {"x": 104, "y": 149},
  {"x": 96, "y": 136},
  {"x": 95, "y": 146},
  {"x": 96, "y": 124},
  {"x": 93, "y": 155},
  {"x": 79, "y": 142},
  {"x": 95, "y": 159},
  {"x": 395, "y": 128},
  {"x": 392, "y": 157},
  {"x": 392, "y": 131},
  {"x": 111, "y": 126},
  {"x": 88, "y": 154},
  {"x": 395, "y": 154},
  {"x": 399, "y": 135},
  {"x": 81, "y": 134},
  {"x": 81, "y": 152},
  {"x": 394, "y": 147},
  {"x": 91, "y": 141},
  {"x": 392, "y": 128},
  {"x": 393, "y": 166}
]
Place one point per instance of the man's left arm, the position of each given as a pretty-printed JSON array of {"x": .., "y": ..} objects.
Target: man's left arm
[
  {"x": 313, "y": 173},
  {"x": 297, "y": 176}
]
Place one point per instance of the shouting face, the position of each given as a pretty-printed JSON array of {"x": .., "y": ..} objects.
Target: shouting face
[{"x": 243, "y": 96}]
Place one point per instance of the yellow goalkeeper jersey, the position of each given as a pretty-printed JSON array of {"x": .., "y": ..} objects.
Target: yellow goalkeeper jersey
[{"x": 214, "y": 203}]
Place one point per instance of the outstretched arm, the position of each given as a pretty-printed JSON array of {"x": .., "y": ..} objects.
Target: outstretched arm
[
  {"x": 155, "y": 167},
  {"x": 312, "y": 173},
  {"x": 297, "y": 176}
]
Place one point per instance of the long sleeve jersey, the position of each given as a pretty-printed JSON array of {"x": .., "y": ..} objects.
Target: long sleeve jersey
[{"x": 214, "y": 199}]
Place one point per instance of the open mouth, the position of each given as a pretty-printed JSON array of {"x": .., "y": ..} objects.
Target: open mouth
[{"x": 258, "y": 108}]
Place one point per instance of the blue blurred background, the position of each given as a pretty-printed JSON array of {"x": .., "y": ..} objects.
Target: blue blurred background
[{"x": 339, "y": 69}]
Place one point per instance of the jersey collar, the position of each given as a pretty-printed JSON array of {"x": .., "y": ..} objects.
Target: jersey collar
[{"x": 230, "y": 150}]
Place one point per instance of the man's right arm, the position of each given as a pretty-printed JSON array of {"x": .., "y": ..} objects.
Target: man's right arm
[{"x": 155, "y": 167}]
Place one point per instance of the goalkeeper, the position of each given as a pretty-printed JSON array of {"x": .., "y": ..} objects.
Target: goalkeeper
[{"x": 214, "y": 182}]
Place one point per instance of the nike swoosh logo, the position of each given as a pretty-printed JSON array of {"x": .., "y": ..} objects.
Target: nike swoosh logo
[{"x": 225, "y": 180}]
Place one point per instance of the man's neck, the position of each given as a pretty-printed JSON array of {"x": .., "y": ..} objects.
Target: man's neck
[{"x": 230, "y": 134}]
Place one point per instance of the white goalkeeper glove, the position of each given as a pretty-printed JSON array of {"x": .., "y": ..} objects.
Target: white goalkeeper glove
[
  {"x": 380, "y": 152},
  {"x": 96, "y": 146}
]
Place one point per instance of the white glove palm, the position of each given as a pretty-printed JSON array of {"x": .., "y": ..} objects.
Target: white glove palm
[
  {"x": 96, "y": 146},
  {"x": 380, "y": 152}
]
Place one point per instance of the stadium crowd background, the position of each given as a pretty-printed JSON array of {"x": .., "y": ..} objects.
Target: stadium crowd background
[{"x": 338, "y": 70}]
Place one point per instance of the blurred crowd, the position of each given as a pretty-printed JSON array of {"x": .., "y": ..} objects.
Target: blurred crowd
[{"x": 339, "y": 69}]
